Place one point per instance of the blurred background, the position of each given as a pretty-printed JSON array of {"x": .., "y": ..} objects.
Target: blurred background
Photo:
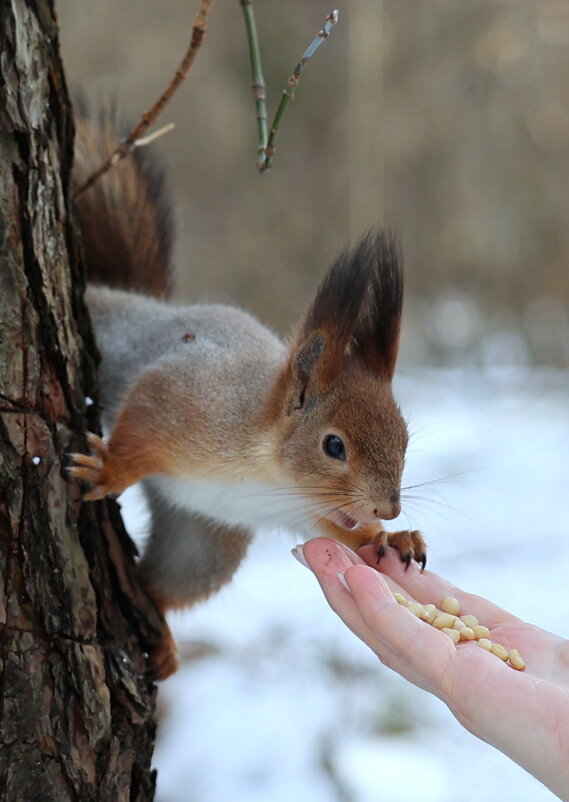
[{"x": 447, "y": 121}]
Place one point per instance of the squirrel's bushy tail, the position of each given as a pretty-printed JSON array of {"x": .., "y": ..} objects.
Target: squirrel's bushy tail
[{"x": 125, "y": 217}]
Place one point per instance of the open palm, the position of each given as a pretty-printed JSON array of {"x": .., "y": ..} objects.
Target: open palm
[{"x": 525, "y": 714}]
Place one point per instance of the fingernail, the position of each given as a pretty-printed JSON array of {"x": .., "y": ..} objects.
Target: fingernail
[
  {"x": 298, "y": 554},
  {"x": 343, "y": 581}
]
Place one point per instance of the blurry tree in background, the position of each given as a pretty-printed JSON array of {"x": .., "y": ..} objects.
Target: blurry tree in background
[{"x": 446, "y": 120}]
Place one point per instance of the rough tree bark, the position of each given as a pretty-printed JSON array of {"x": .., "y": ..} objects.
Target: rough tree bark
[{"x": 76, "y": 711}]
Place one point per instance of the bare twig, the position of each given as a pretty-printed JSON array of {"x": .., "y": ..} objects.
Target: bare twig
[
  {"x": 148, "y": 118},
  {"x": 293, "y": 81},
  {"x": 258, "y": 85},
  {"x": 146, "y": 140}
]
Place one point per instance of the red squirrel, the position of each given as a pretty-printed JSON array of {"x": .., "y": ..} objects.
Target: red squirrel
[{"x": 227, "y": 426}]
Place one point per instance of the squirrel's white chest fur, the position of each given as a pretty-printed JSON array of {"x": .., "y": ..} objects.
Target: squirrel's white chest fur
[{"x": 244, "y": 503}]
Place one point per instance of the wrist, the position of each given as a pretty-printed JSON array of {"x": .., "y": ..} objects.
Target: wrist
[{"x": 528, "y": 720}]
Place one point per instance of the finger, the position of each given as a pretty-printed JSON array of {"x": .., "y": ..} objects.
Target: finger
[
  {"x": 327, "y": 558},
  {"x": 427, "y": 587},
  {"x": 414, "y": 649}
]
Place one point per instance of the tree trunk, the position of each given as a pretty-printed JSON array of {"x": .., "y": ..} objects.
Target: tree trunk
[{"x": 76, "y": 710}]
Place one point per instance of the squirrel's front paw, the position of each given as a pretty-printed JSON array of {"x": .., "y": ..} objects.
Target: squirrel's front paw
[
  {"x": 91, "y": 468},
  {"x": 409, "y": 543}
]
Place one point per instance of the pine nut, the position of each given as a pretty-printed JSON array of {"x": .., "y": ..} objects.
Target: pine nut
[
  {"x": 450, "y": 605},
  {"x": 516, "y": 660},
  {"x": 470, "y": 620},
  {"x": 485, "y": 644},
  {"x": 480, "y": 631},
  {"x": 431, "y": 613},
  {"x": 500, "y": 651},
  {"x": 452, "y": 634},
  {"x": 466, "y": 634},
  {"x": 444, "y": 621},
  {"x": 401, "y": 599},
  {"x": 417, "y": 609}
]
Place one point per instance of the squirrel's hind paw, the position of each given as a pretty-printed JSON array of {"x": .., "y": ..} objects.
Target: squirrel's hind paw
[
  {"x": 163, "y": 659},
  {"x": 409, "y": 543}
]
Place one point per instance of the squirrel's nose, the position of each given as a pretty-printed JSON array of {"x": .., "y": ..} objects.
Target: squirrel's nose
[{"x": 388, "y": 509}]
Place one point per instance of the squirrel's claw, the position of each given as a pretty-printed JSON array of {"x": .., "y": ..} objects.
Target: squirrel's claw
[
  {"x": 380, "y": 550},
  {"x": 409, "y": 543},
  {"x": 90, "y": 467}
]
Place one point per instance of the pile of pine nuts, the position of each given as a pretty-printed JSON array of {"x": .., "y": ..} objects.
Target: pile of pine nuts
[{"x": 447, "y": 618}]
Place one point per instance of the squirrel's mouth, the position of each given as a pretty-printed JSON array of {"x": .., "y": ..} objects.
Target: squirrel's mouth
[{"x": 343, "y": 519}]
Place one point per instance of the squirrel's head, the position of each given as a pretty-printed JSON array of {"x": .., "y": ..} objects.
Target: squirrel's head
[{"x": 339, "y": 431}]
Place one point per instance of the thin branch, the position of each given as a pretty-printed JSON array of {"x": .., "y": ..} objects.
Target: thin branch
[
  {"x": 258, "y": 85},
  {"x": 293, "y": 81},
  {"x": 149, "y": 117},
  {"x": 146, "y": 140}
]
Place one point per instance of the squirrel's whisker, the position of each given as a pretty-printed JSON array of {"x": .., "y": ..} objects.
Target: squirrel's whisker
[
  {"x": 337, "y": 508},
  {"x": 315, "y": 509},
  {"x": 427, "y": 502},
  {"x": 441, "y": 479}
]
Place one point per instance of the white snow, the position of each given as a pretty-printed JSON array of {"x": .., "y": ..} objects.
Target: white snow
[{"x": 281, "y": 702}]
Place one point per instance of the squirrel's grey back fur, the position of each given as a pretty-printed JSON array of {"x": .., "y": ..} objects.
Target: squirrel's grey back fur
[{"x": 211, "y": 344}]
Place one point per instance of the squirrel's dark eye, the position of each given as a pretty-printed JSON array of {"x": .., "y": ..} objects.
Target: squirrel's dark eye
[{"x": 334, "y": 447}]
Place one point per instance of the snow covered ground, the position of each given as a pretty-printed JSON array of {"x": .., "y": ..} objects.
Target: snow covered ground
[{"x": 277, "y": 701}]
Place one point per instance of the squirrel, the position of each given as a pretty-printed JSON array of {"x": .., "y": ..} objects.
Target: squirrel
[{"x": 228, "y": 427}]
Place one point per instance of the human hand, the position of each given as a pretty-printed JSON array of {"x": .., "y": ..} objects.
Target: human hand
[{"x": 524, "y": 714}]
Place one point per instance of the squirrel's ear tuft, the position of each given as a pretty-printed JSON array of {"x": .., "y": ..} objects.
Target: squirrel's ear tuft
[
  {"x": 376, "y": 333},
  {"x": 335, "y": 310},
  {"x": 356, "y": 311}
]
